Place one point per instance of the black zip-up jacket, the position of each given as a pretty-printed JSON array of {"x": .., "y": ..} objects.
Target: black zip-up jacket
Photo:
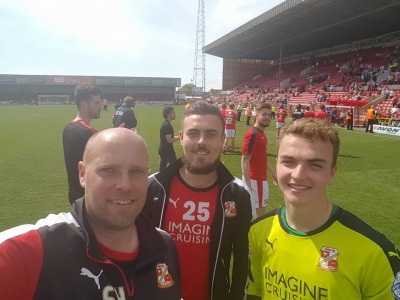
[
  {"x": 124, "y": 114},
  {"x": 228, "y": 234},
  {"x": 59, "y": 258}
]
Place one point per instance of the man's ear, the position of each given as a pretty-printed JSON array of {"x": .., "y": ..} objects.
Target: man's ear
[
  {"x": 180, "y": 136},
  {"x": 81, "y": 170}
]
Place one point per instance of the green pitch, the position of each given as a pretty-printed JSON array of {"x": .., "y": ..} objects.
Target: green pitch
[{"x": 33, "y": 181}]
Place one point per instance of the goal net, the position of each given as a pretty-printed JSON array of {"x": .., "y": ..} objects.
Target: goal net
[{"x": 53, "y": 99}]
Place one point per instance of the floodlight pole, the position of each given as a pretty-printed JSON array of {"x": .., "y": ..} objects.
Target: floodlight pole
[
  {"x": 199, "y": 69},
  {"x": 280, "y": 67}
]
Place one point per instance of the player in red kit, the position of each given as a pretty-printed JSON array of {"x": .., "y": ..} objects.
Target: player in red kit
[
  {"x": 281, "y": 115},
  {"x": 205, "y": 209},
  {"x": 254, "y": 159},
  {"x": 230, "y": 127},
  {"x": 223, "y": 110}
]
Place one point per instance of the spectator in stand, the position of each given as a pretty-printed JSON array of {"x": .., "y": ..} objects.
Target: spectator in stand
[
  {"x": 321, "y": 114},
  {"x": 349, "y": 119},
  {"x": 308, "y": 113}
]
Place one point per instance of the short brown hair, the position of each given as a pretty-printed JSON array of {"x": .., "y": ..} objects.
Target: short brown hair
[
  {"x": 201, "y": 108},
  {"x": 313, "y": 129},
  {"x": 262, "y": 105}
]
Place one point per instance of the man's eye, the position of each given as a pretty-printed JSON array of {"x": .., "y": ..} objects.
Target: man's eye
[
  {"x": 316, "y": 166},
  {"x": 107, "y": 170},
  {"x": 137, "y": 171}
]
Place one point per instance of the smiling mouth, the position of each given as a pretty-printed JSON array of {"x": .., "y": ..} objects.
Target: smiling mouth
[
  {"x": 122, "y": 202},
  {"x": 201, "y": 152},
  {"x": 299, "y": 187}
]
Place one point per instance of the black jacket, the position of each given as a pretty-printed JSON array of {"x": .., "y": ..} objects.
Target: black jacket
[
  {"x": 63, "y": 261},
  {"x": 228, "y": 235},
  {"x": 124, "y": 114}
]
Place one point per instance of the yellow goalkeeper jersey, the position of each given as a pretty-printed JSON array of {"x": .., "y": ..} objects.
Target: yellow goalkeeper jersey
[{"x": 345, "y": 259}]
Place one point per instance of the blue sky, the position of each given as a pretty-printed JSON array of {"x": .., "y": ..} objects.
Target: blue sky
[{"x": 117, "y": 37}]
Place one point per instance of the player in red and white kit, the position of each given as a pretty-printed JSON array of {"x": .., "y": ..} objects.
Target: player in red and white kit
[
  {"x": 230, "y": 127},
  {"x": 281, "y": 115},
  {"x": 223, "y": 110},
  {"x": 255, "y": 162}
]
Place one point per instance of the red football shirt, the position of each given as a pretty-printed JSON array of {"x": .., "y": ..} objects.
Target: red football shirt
[
  {"x": 255, "y": 144},
  {"x": 188, "y": 219},
  {"x": 230, "y": 119},
  {"x": 308, "y": 114},
  {"x": 321, "y": 115},
  {"x": 223, "y": 113},
  {"x": 281, "y": 115}
]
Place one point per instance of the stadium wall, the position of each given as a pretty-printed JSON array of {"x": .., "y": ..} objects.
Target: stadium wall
[{"x": 235, "y": 71}]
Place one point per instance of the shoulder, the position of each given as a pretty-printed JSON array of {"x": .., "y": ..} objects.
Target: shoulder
[
  {"x": 358, "y": 226},
  {"x": 43, "y": 225}
]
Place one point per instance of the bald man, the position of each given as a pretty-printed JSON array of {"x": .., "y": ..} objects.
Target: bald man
[{"x": 105, "y": 248}]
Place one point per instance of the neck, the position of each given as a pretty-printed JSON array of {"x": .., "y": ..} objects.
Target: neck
[
  {"x": 259, "y": 127},
  {"x": 126, "y": 240},
  {"x": 310, "y": 217},
  {"x": 84, "y": 117},
  {"x": 168, "y": 119},
  {"x": 196, "y": 180}
]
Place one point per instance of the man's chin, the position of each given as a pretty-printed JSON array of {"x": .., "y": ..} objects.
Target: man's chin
[{"x": 200, "y": 170}]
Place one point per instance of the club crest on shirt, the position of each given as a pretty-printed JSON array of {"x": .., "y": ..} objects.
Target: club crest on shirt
[
  {"x": 329, "y": 259},
  {"x": 164, "y": 279},
  {"x": 395, "y": 289},
  {"x": 230, "y": 209}
]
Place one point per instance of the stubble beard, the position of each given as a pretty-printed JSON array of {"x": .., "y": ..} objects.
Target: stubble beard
[{"x": 200, "y": 170}]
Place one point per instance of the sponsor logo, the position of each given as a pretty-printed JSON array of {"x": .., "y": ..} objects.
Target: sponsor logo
[
  {"x": 230, "y": 209},
  {"x": 270, "y": 244},
  {"x": 163, "y": 277},
  {"x": 86, "y": 272},
  {"x": 68, "y": 80},
  {"x": 395, "y": 289},
  {"x": 174, "y": 202},
  {"x": 329, "y": 259},
  {"x": 392, "y": 254}
]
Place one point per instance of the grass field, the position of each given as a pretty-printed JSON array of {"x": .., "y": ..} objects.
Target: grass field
[{"x": 33, "y": 179}]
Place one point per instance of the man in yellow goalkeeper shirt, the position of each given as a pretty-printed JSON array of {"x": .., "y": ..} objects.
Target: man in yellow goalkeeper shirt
[{"x": 311, "y": 248}]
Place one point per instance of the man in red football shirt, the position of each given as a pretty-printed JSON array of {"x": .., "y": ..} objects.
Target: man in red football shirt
[
  {"x": 281, "y": 115},
  {"x": 308, "y": 113},
  {"x": 321, "y": 114},
  {"x": 223, "y": 110},
  {"x": 205, "y": 209},
  {"x": 254, "y": 159},
  {"x": 230, "y": 127}
]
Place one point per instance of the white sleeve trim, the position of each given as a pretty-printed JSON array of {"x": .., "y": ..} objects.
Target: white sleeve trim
[{"x": 50, "y": 220}]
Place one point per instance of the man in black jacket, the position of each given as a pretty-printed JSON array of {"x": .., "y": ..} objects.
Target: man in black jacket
[
  {"x": 104, "y": 248},
  {"x": 124, "y": 114},
  {"x": 205, "y": 209}
]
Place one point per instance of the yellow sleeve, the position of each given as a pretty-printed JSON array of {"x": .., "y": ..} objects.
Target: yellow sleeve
[
  {"x": 255, "y": 268},
  {"x": 378, "y": 281}
]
